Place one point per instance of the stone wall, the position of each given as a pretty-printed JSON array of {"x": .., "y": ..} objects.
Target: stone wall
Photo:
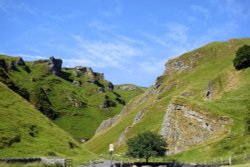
[{"x": 45, "y": 160}]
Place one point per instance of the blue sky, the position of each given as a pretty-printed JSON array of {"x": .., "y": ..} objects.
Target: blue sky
[{"x": 128, "y": 40}]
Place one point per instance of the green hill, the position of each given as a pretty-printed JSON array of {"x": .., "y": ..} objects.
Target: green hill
[
  {"x": 25, "y": 132},
  {"x": 76, "y": 99},
  {"x": 201, "y": 105}
]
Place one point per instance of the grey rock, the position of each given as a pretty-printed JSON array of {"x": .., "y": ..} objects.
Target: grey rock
[
  {"x": 209, "y": 90},
  {"x": 55, "y": 65},
  {"x": 12, "y": 66},
  {"x": 20, "y": 61},
  {"x": 53, "y": 161},
  {"x": 80, "y": 70},
  {"x": 110, "y": 86},
  {"x": 106, "y": 124},
  {"x": 128, "y": 87},
  {"x": 182, "y": 127},
  {"x": 138, "y": 117},
  {"x": 100, "y": 90},
  {"x": 2, "y": 64},
  {"x": 107, "y": 103},
  {"x": 76, "y": 82}
]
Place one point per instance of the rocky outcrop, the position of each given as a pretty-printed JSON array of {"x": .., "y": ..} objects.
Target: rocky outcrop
[
  {"x": 111, "y": 121},
  {"x": 76, "y": 82},
  {"x": 2, "y": 64},
  {"x": 20, "y": 61},
  {"x": 209, "y": 90},
  {"x": 12, "y": 66},
  {"x": 83, "y": 70},
  {"x": 107, "y": 103},
  {"x": 136, "y": 120},
  {"x": 80, "y": 71},
  {"x": 55, "y": 65},
  {"x": 128, "y": 87},
  {"x": 122, "y": 137},
  {"x": 183, "y": 64},
  {"x": 182, "y": 127},
  {"x": 75, "y": 102},
  {"x": 110, "y": 86},
  {"x": 138, "y": 117}
]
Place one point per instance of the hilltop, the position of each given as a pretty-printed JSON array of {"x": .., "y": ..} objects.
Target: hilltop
[
  {"x": 76, "y": 99},
  {"x": 200, "y": 105}
]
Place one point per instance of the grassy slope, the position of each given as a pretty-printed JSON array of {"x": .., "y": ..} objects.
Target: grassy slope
[
  {"x": 231, "y": 98},
  {"x": 25, "y": 132},
  {"x": 81, "y": 121}
]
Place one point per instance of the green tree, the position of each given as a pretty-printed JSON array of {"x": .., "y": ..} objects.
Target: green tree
[
  {"x": 146, "y": 145},
  {"x": 242, "y": 59}
]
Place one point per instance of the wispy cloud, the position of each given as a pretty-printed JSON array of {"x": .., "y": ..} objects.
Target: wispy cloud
[
  {"x": 201, "y": 9},
  {"x": 152, "y": 65},
  {"x": 99, "y": 25},
  {"x": 174, "y": 39},
  {"x": 236, "y": 9},
  {"x": 105, "y": 53},
  {"x": 116, "y": 9},
  {"x": 7, "y": 6}
]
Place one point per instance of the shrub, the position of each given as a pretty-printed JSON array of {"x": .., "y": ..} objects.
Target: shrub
[{"x": 242, "y": 59}]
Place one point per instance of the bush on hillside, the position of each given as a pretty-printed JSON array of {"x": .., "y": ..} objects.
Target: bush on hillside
[
  {"x": 242, "y": 59},
  {"x": 146, "y": 145}
]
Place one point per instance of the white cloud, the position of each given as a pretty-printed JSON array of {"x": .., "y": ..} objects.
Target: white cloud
[
  {"x": 175, "y": 39},
  {"x": 152, "y": 66},
  {"x": 102, "y": 54},
  {"x": 102, "y": 26}
]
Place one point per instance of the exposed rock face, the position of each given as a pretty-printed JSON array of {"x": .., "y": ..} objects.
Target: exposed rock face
[
  {"x": 2, "y": 64},
  {"x": 55, "y": 65},
  {"x": 12, "y": 66},
  {"x": 107, "y": 103},
  {"x": 122, "y": 137},
  {"x": 75, "y": 102},
  {"x": 76, "y": 82},
  {"x": 183, "y": 127},
  {"x": 179, "y": 65},
  {"x": 182, "y": 64},
  {"x": 137, "y": 119},
  {"x": 99, "y": 75},
  {"x": 128, "y": 87},
  {"x": 110, "y": 86},
  {"x": 100, "y": 90},
  {"x": 209, "y": 90},
  {"x": 80, "y": 70},
  {"x": 111, "y": 121},
  {"x": 119, "y": 100},
  {"x": 84, "y": 70},
  {"x": 20, "y": 62}
]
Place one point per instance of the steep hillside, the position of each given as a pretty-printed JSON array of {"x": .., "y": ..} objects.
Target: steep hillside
[
  {"x": 25, "y": 132},
  {"x": 76, "y": 99},
  {"x": 201, "y": 105}
]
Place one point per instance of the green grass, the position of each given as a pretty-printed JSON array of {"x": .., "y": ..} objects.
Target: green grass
[
  {"x": 230, "y": 98},
  {"x": 25, "y": 132},
  {"x": 81, "y": 119}
]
